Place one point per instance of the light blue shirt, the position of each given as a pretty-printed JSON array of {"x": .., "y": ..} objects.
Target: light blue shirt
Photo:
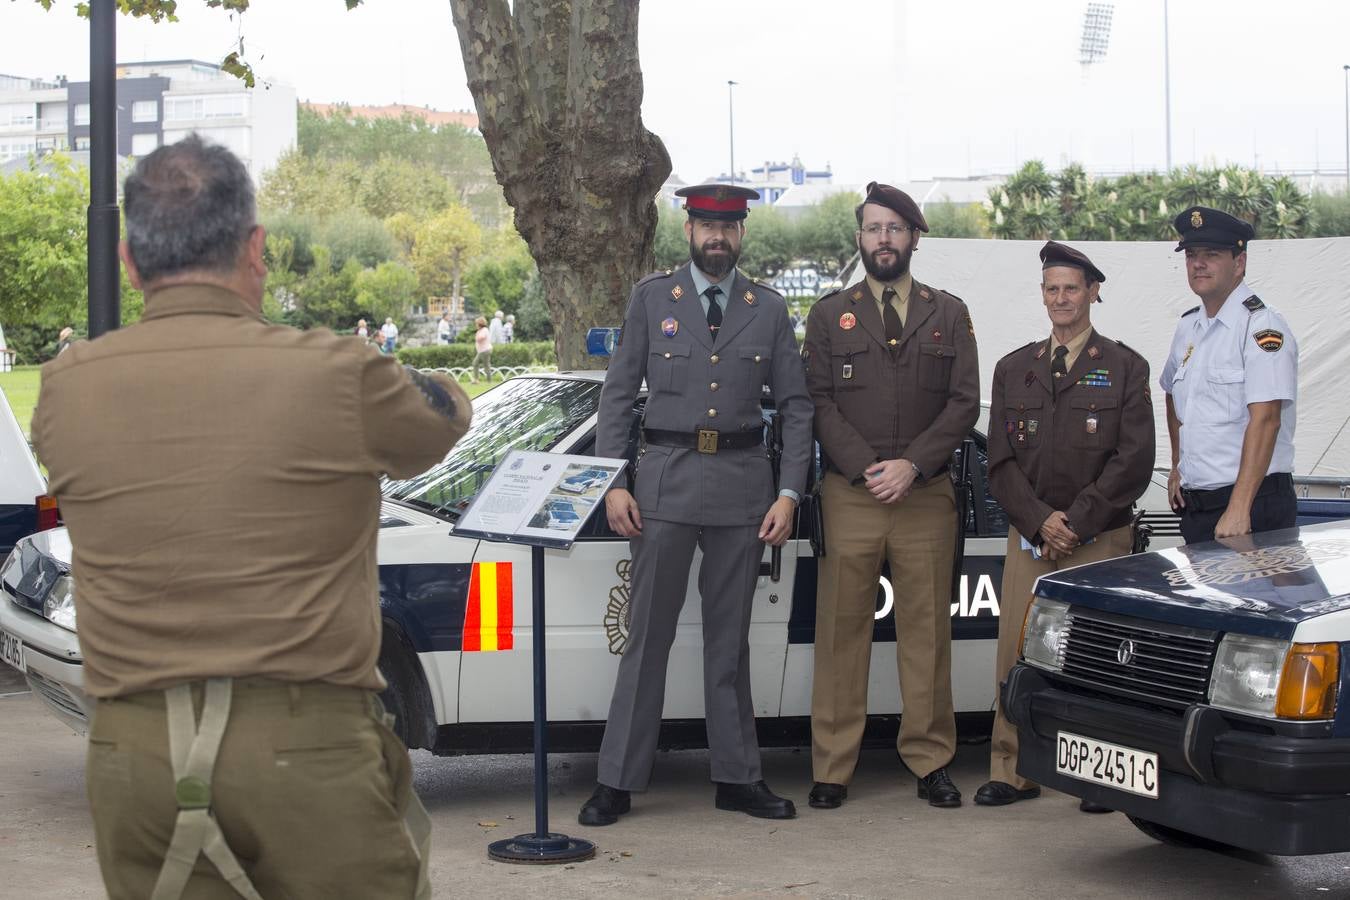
[
  {"x": 1217, "y": 366},
  {"x": 701, "y": 284}
]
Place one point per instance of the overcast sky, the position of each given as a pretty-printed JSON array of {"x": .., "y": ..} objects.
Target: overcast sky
[{"x": 875, "y": 90}]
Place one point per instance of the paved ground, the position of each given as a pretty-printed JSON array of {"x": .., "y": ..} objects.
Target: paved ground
[{"x": 883, "y": 843}]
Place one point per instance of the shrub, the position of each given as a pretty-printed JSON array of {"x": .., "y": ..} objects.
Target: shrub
[{"x": 446, "y": 356}]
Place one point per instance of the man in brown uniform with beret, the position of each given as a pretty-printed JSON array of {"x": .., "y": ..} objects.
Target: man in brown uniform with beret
[
  {"x": 893, "y": 372},
  {"x": 1070, "y": 449},
  {"x": 220, "y": 479}
]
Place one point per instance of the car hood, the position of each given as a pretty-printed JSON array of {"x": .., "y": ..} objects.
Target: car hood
[{"x": 1262, "y": 584}]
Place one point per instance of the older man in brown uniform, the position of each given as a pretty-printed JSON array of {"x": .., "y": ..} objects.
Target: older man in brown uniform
[
  {"x": 893, "y": 372},
  {"x": 220, "y": 479},
  {"x": 1070, "y": 449}
]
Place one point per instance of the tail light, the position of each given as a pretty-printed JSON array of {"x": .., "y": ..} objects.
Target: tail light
[{"x": 48, "y": 513}]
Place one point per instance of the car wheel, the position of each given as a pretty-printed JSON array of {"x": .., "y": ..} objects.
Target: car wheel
[
  {"x": 405, "y": 696},
  {"x": 1175, "y": 837}
]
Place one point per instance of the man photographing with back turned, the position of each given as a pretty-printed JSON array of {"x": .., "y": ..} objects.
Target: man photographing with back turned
[{"x": 220, "y": 479}]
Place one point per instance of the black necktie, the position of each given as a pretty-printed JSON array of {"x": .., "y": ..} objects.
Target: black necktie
[
  {"x": 714, "y": 310},
  {"x": 1057, "y": 367},
  {"x": 891, "y": 318}
]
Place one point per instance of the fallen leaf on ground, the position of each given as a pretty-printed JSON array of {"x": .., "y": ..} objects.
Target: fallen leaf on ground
[{"x": 487, "y": 824}]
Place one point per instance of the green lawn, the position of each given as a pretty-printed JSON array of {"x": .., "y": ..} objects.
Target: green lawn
[{"x": 21, "y": 389}]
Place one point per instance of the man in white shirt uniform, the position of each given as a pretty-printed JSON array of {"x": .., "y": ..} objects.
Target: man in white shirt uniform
[{"x": 1232, "y": 389}]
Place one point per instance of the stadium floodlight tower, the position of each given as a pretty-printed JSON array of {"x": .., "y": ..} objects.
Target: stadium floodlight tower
[{"x": 1096, "y": 34}]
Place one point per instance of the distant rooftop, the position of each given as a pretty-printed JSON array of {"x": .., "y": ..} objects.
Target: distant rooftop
[{"x": 463, "y": 118}]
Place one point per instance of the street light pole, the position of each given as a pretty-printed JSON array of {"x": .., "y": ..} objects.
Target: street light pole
[
  {"x": 1346, "y": 69},
  {"x": 104, "y": 299},
  {"x": 1167, "y": 87},
  {"x": 731, "y": 129}
]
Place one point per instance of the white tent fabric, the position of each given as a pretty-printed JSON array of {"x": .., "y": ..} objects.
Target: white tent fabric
[{"x": 1145, "y": 293}]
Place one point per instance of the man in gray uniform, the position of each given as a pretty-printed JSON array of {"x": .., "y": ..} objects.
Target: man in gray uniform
[{"x": 707, "y": 340}]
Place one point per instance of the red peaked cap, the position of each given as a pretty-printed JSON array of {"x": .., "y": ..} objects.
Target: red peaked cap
[
  {"x": 897, "y": 200},
  {"x": 724, "y": 202}
]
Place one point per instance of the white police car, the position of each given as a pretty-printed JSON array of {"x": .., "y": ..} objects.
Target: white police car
[
  {"x": 457, "y": 611},
  {"x": 1204, "y": 690}
]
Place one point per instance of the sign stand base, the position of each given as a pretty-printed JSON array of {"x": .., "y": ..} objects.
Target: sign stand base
[{"x": 535, "y": 848}]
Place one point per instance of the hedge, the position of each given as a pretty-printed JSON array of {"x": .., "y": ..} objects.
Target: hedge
[{"x": 449, "y": 356}]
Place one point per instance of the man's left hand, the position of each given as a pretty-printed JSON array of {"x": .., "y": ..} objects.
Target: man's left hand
[
  {"x": 777, "y": 524},
  {"x": 1233, "y": 522},
  {"x": 890, "y": 480}
]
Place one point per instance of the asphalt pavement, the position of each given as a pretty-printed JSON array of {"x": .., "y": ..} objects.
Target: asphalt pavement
[{"x": 882, "y": 843}]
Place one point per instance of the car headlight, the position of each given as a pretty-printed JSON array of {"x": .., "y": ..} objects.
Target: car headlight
[
  {"x": 1275, "y": 679},
  {"x": 59, "y": 607},
  {"x": 1045, "y": 633},
  {"x": 11, "y": 563}
]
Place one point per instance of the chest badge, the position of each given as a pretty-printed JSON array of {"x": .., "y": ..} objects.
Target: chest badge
[
  {"x": 1032, "y": 425},
  {"x": 1094, "y": 353},
  {"x": 1031, "y": 376},
  {"x": 937, "y": 335},
  {"x": 750, "y": 297},
  {"x": 1091, "y": 425},
  {"x": 677, "y": 292},
  {"x": 669, "y": 326},
  {"x": 848, "y": 371},
  {"x": 1190, "y": 348},
  {"x": 848, "y": 321}
]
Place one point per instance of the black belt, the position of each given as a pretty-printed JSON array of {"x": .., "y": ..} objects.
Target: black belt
[
  {"x": 705, "y": 440},
  {"x": 1217, "y": 498}
]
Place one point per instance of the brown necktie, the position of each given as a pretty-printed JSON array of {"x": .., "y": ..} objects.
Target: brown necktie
[{"x": 891, "y": 319}]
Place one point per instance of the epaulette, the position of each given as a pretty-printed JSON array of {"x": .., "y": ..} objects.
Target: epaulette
[
  {"x": 664, "y": 273},
  {"x": 768, "y": 287},
  {"x": 829, "y": 295},
  {"x": 1131, "y": 349},
  {"x": 1193, "y": 309},
  {"x": 1020, "y": 349},
  {"x": 1253, "y": 303}
]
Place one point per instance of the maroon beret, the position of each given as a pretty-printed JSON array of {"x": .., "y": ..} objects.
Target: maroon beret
[
  {"x": 1057, "y": 254},
  {"x": 895, "y": 199}
]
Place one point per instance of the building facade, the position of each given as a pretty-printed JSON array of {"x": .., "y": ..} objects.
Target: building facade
[{"x": 158, "y": 102}]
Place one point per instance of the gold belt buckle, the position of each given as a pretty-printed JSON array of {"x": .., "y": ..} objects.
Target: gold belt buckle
[{"x": 707, "y": 440}]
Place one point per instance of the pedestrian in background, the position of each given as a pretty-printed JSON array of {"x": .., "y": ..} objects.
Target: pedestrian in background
[
  {"x": 509, "y": 329},
  {"x": 482, "y": 345},
  {"x": 443, "y": 330},
  {"x": 497, "y": 328},
  {"x": 389, "y": 331},
  {"x": 64, "y": 340}
]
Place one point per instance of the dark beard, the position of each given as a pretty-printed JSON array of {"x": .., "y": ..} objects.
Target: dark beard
[
  {"x": 889, "y": 273},
  {"x": 717, "y": 267}
]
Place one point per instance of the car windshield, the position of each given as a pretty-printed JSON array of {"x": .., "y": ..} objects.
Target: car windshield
[{"x": 522, "y": 414}]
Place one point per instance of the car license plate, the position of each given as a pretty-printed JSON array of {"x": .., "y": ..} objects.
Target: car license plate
[
  {"x": 1122, "y": 768},
  {"x": 11, "y": 650}
]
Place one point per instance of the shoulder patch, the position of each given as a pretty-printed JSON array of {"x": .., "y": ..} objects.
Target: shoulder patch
[
  {"x": 1269, "y": 340},
  {"x": 1193, "y": 309},
  {"x": 1027, "y": 346},
  {"x": 437, "y": 397},
  {"x": 1253, "y": 303}
]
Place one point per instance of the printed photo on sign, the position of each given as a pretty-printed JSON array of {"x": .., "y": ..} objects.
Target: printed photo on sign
[{"x": 584, "y": 481}]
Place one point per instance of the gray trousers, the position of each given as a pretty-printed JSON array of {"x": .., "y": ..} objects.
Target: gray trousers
[{"x": 662, "y": 555}]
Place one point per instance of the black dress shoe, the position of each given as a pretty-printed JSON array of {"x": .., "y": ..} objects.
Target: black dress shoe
[
  {"x": 936, "y": 787},
  {"x": 605, "y": 806},
  {"x": 754, "y": 800},
  {"x": 825, "y": 795},
  {"x": 1000, "y": 793},
  {"x": 1088, "y": 806}
]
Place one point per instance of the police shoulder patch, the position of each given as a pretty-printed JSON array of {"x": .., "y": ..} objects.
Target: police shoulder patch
[
  {"x": 1269, "y": 340},
  {"x": 437, "y": 397},
  {"x": 1253, "y": 303},
  {"x": 1193, "y": 309}
]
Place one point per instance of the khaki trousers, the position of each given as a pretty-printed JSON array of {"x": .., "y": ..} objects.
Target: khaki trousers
[
  {"x": 1020, "y": 571},
  {"x": 918, "y": 537},
  {"x": 309, "y": 789}
]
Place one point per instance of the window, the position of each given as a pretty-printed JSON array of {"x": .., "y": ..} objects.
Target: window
[
  {"x": 81, "y": 113},
  {"x": 208, "y": 106},
  {"x": 52, "y": 117},
  {"x": 144, "y": 144},
  {"x": 145, "y": 111},
  {"x": 17, "y": 115}
]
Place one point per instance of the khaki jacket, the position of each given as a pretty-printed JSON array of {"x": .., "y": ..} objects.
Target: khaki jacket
[
  {"x": 1086, "y": 449},
  {"x": 918, "y": 403},
  {"x": 219, "y": 476}
]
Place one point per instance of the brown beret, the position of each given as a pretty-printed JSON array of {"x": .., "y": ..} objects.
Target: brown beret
[
  {"x": 895, "y": 199},
  {"x": 1057, "y": 254}
]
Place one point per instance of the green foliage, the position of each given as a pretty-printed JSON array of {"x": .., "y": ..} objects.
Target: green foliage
[
  {"x": 533, "y": 320},
  {"x": 43, "y": 270},
  {"x": 671, "y": 247},
  {"x": 1330, "y": 214},
  {"x": 955, "y": 220},
  {"x": 497, "y": 280},
  {"x": 388, "y": 290},
  {"x": 442, "y": 249},
  {"x": 827, "y": 231},
  {"x": 769, "y": 244},
  {"x": 359, "y": 236},
  {"x": 444, "y": 356},
  {"x": 327, "y": 297},
  {"x": 1033, "y": 204}
]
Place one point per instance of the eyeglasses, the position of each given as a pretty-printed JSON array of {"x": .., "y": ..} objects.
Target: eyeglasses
[{"x": 874, "y": 230}]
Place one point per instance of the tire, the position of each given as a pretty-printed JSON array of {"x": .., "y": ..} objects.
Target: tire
[
  {"x": 1176, "y": 838},
  {"x": 406, "y": 697}
]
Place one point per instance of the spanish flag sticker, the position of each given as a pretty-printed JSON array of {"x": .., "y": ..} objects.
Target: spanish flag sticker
[{"x": 487, "y": 616}]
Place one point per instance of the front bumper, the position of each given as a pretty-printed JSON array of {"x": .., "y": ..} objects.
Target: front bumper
[
  {"x": 1263, "y": 792},
  {"x": 52, "y": 663}
]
